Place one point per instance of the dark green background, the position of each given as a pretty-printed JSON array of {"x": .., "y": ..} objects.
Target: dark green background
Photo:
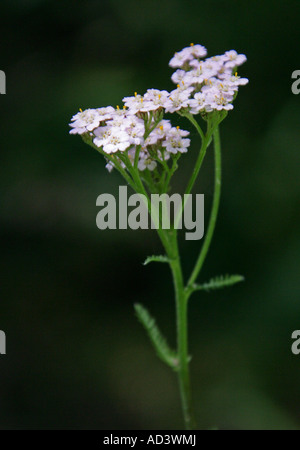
[{"x": 76, "y": 356}]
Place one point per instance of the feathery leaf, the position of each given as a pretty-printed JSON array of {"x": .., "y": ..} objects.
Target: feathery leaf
[
  {"x": 163, "y": 350},
  {"x": 218, "y": 282},
  {"x": 158, "y": 258}
]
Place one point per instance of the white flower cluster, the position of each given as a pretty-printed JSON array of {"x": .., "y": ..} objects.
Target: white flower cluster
[
  {"x": 137, "y": 125},
  {"x": 203, "y": 86}
]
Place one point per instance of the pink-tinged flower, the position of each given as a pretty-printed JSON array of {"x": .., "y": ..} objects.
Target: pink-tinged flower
[
  {"x": 235, "y": 80},
  {"x": 233, "y": 59},
  {"x": 174, "y": 141},
  {"x": 159, "y": 132},
  {"x": 109, "y": 166},
  {"x": 199, "y": 103},
  {"x": 187, "y": 54},
  {"x": 154, "y": 99},
  {"x": 135, "y": 128},
  {"x": 102, "y": 134},
  {"x": 178, "y": 76},
  {"x": 85, "y": 121},
  {"x": 134, "y": 104},
  {"x": 200, "y": 73},
  {"x": 116, "y": 142},
  {"x": 105, "y": 113},
  {"x": 145, "y": 162},
  {"x": 119, "y": 122},
  {"x": 179, "y": 99},
  {"x": 111, "y": 139},
  {"x": 218, "y": 100},
  {"x": 197, "y": 51},
  {"x": 222, "y": 86}
]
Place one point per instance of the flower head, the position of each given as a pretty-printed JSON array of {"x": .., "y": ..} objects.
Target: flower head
[
  {"x": 233, "y": 59},
  {"x": 139, "y": 128},
  {"x": 205, "y": 85},
  {"x": 155, "y": 99},
  {"x": 85, "y": 121},
  {"x": 178, "y": 98},
  {"x": 187, "y": 54},
  {"x": 134, "y": 104},
  {"x": 174, "y": 141}
]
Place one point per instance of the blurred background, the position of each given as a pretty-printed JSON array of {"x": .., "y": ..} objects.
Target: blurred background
[{"x": 76, "y": 356}]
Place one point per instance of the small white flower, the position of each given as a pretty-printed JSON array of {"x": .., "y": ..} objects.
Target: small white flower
[
  {"x": 146, "y": 163},
  {"x": 102, "y": 134},
  {"x": 177, "y": 133},
  {"x": 159, "y": 132},
  {"x": 178, "y": 76},
  {"x": 134, "y": 104},
  {"x": 179, "y": 59},
  {"x": 109, "y": 166},
  {"x": 135, "y": 129},
  {"x": 119, "y": 122},
  {"x": 105, "y": 113},
  {"x": 174, "y": 146},
  {"x": 163, "y": 155},
  {"x": 199, "y": 74},
  {"x": 179, "y": 99},
  {"x": 218, "y": 100},
  {"x": 187, "y": 54},
  {"x": 217, "y": 60},
  {"x": 233, "y": 59},
  {"x": 199, "y": 103},
  {"x": 118, "y": 112},
  {"x": 154, "y": 99},
  {"x": 85, "y": 121},
  {"x": 111, "y": 139},
  {"x": 119, "y": 141},
  {"x": 235, "y": 80},
  {"x": 197, "y": 51},
  {"x": 174, "y": 142},
  {"x": 210, "y": 66},
  {"x": 77, "y": 130},
  {"x": 222, "y": 86}
]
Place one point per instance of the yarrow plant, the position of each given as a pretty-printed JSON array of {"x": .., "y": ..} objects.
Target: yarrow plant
[{"x": 144, "y": 147}]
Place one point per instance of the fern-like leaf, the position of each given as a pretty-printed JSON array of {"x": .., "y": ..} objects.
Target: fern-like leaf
[
  {"x": 158, "y": 258},
  {"x": 218, "y": 283},
  {"x": 164, "y": 352}
]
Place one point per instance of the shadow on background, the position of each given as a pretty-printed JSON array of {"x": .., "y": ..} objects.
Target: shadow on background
[{"x": 76, "y": 356}]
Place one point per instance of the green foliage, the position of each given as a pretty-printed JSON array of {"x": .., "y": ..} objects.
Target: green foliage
[
  {"x": 164, "y": 352},
  {"x": 158, "y": 258},
  {"x": 218, "y": 283}
]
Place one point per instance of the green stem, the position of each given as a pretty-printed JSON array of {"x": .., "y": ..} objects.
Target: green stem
[
  {"x": 204, "y": 145},
  {"x": 182, "y": 335},
  {"x": 140, "y": 188},
  {"x": 195, "y": 123},
  {"x": 214, "y": 211},
  {"x": 113, "y": 160},
  {"x": 198, "y": 164},
  {"x": 171, "y": 172},
  {"x": 136, "y": 157},
  {"x": 170, "y": 243}
]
